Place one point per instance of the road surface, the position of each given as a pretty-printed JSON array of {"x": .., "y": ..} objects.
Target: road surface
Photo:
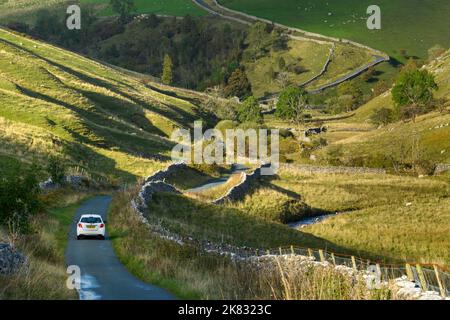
[
  {"x": 236, "y": 168},
  {"x": 103, "y": 277}
]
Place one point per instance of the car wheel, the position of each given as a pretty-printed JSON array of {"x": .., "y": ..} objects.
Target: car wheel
[
  {"x": 102, "y": 237},
  {"x": 78, "y": 237}
]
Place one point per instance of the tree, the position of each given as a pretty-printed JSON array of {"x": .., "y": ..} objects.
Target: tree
[
  {"x": 56, "y": 169},
  {"x": 413, "y": 91},
  {"x": 19, "y": 197},
  {"x": 249, "y": 111},
  {"x": 281, "y": 64},
  {"x": 283, "y": 80},
  {"x": 382, "y": 116},
  {"x": 123, "y": 8},
  {"x": 380, "y": 87},
  {"x": 166, "y": 76},
  {"x": 369, "y": 74},
  {"x": 238, "y": 85},
  {"x": 350, "y": 95},
  {"x": 292, "y": 104}
]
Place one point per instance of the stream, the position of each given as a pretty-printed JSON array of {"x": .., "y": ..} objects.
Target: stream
[{"x": 309, "y": 221}]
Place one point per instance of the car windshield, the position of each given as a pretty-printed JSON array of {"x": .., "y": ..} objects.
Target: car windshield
[{"x": 91, "y": 220}]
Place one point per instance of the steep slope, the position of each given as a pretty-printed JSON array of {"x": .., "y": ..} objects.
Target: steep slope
[{"x": 101, "y": 118}]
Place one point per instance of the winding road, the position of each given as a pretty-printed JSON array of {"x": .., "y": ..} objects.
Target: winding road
[
  {"x": 218, "y": 181},
  {"x": 103, "y": 277}
]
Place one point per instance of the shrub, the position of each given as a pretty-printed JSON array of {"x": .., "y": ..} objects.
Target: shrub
[
  {"x": 19, "y": 197},
  {"x": 56, "y": 169},
  {"x": 382, "y": 116}
]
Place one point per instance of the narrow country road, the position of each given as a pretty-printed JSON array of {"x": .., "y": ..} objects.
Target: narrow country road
[
  {"x": 236, "y": 168},
  {"x": 103, "y": 277}
]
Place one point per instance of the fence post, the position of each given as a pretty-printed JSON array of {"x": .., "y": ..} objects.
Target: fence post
[
  {"x": 423, "y": 282},
  {"x": 257, "y": 252},
  {"x": 281, "y": 252},
  {"x": 268, "y": 252},
  {"x": 310, "y": 253},
  {"x": 379, "y": 270},
  {"x": 292, "y": 250},
  {"x": 409, "y": 272},
  {"x": 441, "y": 287},
  {"x": 332, "y": 258},
  {"x": 322, "y": 256},
  {"x": 354, "y": 263}
]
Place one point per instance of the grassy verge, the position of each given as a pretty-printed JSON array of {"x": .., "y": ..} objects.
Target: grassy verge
[
  {"x": 44, "y": 247},
  {"x": 191, "y": 274}
]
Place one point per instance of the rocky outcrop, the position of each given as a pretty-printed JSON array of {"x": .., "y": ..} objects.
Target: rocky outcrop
[
  {"x": 10, "y": 260},
  {"x": 75, "y": 182}
]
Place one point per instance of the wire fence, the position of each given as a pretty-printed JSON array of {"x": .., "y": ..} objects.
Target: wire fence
[{"x": 428, "y": 277}]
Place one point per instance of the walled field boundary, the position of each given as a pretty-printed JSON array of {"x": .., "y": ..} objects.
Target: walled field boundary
[
  {"x": 239, "y": 191},
  {"x": 337, "y": 170}
]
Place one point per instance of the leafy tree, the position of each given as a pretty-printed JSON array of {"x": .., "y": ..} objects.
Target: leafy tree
[
  {"x": 283, "y": 80},
  {"x": 166, "y": 76},
  {"x": 413, "y": 91},
  {"x": 382, "y": 116},
  {"x": 258, "y": 41},
  {"x": 353, "y": 94},
  {"x": 56, "y": 169},
  {"x": 249, "y": 111},
  {"x": 369, "y": 74},
  {"x": 19, "y": 196},
  {"x": 279, "y": 40},
  {"x": 238, "y": 85},
  {"x": 123, "y": 8},
  {"x": 292, "y": 104},
  {"x": 281, "y": 63},
  {"x": 410, "y": 65},
  {"x": 379, "y": 88}
]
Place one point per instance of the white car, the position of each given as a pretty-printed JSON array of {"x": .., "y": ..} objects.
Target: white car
[{"x": 91, "y": 225}]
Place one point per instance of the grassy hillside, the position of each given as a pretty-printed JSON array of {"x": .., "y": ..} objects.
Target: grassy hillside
[
  {"x": 425, "y": 141},
  {"x": 100, "y": 118},
  {"x": 413, "y": 25}
]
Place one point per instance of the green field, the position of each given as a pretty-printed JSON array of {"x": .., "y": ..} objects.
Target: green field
[
  {"x": 387, "y": 217},
  {"x": 413, "y": 25},
  {"x": 162, "y": 7}
]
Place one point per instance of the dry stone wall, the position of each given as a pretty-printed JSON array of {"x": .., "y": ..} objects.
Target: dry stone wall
[{"x": 330, "y": 169}]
